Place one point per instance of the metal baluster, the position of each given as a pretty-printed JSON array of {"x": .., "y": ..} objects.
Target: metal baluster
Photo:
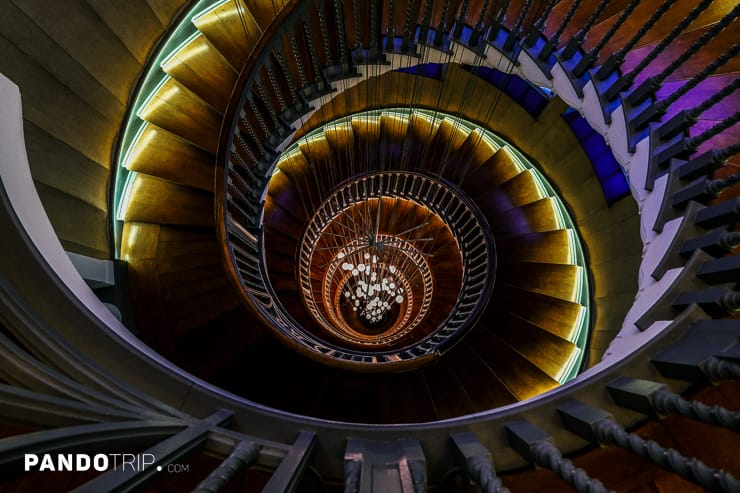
[
  {"x": 251, "y": 131},
  {"x": 502, "y": 13},
  {"x": 247, "y": 150},
  {"x": 695, "y": 80},
  {"x": 325, "y": 36},
  {"x": 539, "y": 25},
  {"x": 390, "y": 31},
  {"x": 536, "y": 446},
  {"x": 276, "y": 87},
  {"x": 258, "y": 114},
  {"x": 687, "y": 146},
  {"x": 594, "y": 424},
  {"x": 298, "y": 61},
  {"x": 374, "y": 25},
  {"x": 464, "y": 12},
  {"x": 552, "y": 43},
  {"x": 694, "y": 142},
  {"x": 577, "y": 40},
  {"x": 686, "y": 118},
  {"x": 426, "y": 21},
  {"x": 482, "y": 16},
  {"x": 478, "y": 28},
  {"x": 263, "y": 96},
  {"x": 358, "y": 28},
  {"x": 406, "y": 43},
  {"x": 716, "y": 243},
  {"x": 707, "y": 162},
  {"x": 477, "y": 461},
  {"x": 462, "y": 19},
  {"x": 653, "y": 111},
  {"x": 590, "y": 57},
  {"x": 718, "y": 369},
  {"x": 341, "y": 41},
  {"x": 439, "y": 35},
  {"x": 651, "y": 398},
  {"x": 666, "y": 402},
  {"x": 652, "y": 84},
  {"x": 626, "y": 80},
  {"x": 315, "y": 66},
  {"x": 234, "y": 190},
  {"x": 704, "y": 190},
  {"x": 515, "y": 30},
  {"x": 616, "y": 59}
]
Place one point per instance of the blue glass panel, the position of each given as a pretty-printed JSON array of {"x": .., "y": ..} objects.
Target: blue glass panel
[
  {"x": 397, "y": 42},
  {"x": 615, "y": 187},
  {"x": 530, "y": 97},
  {"x": 613, "y": 181},
  {"x": 516, "y": 88},
  {"x": 533, "y": 102},
  {"x": 431, "y": 70},
  {"x": 465, "y": 35},
  {"x": 581, "y": 128}
]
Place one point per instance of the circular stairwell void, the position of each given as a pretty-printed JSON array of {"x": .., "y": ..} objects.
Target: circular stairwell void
[
  {"x": 530, "y": 337},
  {"x": 369, "y": 258},
  {"x": 336, "y": 192}
]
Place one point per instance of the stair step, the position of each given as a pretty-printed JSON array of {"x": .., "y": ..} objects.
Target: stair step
[
  {"x": 482, "y": 384},
  {"x": 162, "y": 202},
  {"x": 283, "y": 193},
  {"x": 545, "y": 350},
  {"x": 180, "y": 111},
  {"x": 442, "y": 153},
  {"x": 450, "y": 398},
  {"x": 523, "y": 189},
  {"x": 280, "y": 220},
  {"x": 552, "y": 247},
  {"x": 556, "y": 280},
  {"x": 160, "y": 153},
  {"x": 232, "y": 29},
  {"x": 521, "y": 376},
  {"x": 471, "y": 155},
  {"x": 538, "y": 216},
  {"x": 187, "y": 316},
  {"x": 200, "y": 67},
  {"x": 552, "y": 314},
  {"x": 498, "y": 169},
  {"x": 366, "y": 131},
  {"x": 393, "y": 152}
]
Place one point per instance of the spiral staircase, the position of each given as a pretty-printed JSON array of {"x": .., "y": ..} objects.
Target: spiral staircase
[{"x": 269, "y": 150}]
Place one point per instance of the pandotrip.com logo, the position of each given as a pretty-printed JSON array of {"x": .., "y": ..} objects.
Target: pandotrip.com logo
[{"x": 96, "y": 462}]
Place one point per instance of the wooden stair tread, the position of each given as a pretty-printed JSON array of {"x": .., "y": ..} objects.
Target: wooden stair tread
[
  {"x": 556, "y": 280},
  {"x": 522, "y": 377},
  {"x": 552, "y": 314}
]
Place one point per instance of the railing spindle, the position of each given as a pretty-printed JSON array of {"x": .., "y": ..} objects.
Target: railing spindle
[
  {"x": 536, "y": 446},
  {"x": 590, "y": 57},
  {"x": 552, "y": 43},
  {"x": 577, "y": 40},
  {"x": 652, "y": 84},
  {"x": 626, "y": 80},
  {"x": 686, "y": 118},
  {"x": 596, "y": 425}
]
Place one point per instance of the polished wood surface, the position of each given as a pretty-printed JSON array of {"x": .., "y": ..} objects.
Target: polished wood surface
[
  {"x": 177, "y": 109},
  {"x": 203, "y": 69},
  {"x": 163, "y": 154},
  {"x": 232, "y": 29}
]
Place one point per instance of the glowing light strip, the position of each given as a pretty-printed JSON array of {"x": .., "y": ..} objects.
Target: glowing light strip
[
  {"x": 133, "y": 126},
  {"x": 125, "y": 196},
  {"x": 179, "y": 47}
]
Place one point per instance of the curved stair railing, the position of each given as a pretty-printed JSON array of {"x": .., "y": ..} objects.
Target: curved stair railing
[{"x": 692, "y": 339}]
